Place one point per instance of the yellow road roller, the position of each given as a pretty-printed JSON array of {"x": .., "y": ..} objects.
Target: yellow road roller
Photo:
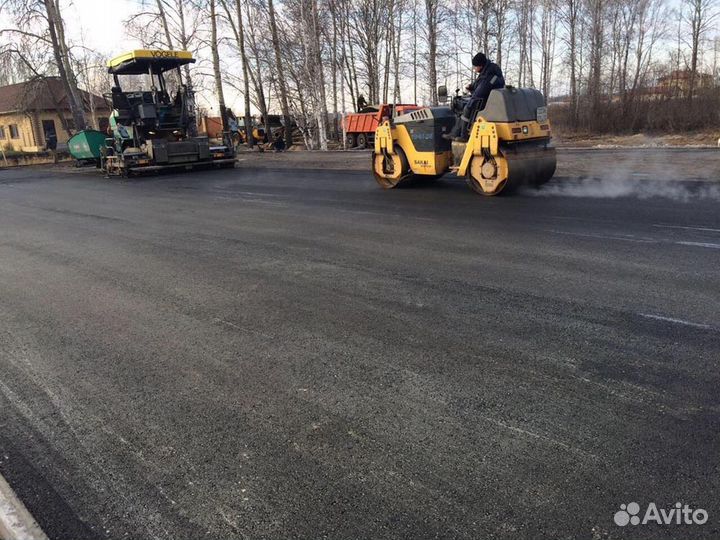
[{"x": 508, "y": 145}]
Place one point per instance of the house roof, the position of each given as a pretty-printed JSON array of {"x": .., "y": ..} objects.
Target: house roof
[
  {"x": 42, "y": 94},
  {"x": 684, "y": 75}
]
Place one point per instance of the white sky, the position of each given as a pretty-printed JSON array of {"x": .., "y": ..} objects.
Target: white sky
[
  {"x": 101, "y": 23},
  {"x": 98, "y": 24}
]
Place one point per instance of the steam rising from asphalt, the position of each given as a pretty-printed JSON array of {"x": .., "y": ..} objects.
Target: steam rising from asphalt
[
  {"x": 680, "y": 175},
  {"x": 610, "y": 188}
]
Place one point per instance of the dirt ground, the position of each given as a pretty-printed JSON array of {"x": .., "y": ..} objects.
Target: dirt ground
[
  {"x": 667, "y": 164},
  {"x": 639, "y": 140}
]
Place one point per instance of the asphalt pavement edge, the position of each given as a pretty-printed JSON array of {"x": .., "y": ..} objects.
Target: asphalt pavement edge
[{"x": 16, "y": 523}]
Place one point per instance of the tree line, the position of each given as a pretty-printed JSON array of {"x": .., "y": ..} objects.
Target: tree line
[{"x": 607, "y": 65}]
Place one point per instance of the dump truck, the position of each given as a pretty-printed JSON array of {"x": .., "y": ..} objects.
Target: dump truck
[
  {"x": 360, "y": 127},
  {"x": 153, "y": 129},
  {"x": 509, "y": 144}
]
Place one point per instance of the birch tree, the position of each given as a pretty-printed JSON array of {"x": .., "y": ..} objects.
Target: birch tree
[
  {"x": 217, "y": 74},
  {"x": 431, "y": 17},
  {"x": 238, "y": 28},
  {"x": 701, "y": 16},
  {"x": 282, "y": 86}
]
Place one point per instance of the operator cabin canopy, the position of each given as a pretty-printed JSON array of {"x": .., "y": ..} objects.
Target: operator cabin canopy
[{"x": 140, "y": 62}]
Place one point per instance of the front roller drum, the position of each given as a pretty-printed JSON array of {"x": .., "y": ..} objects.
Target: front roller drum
[
  {"x": 514, "y": 167},
  {"x": 391, "y": 170}
]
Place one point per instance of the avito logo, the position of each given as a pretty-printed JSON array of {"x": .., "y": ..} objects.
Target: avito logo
[{"x": 629, "y": 514}]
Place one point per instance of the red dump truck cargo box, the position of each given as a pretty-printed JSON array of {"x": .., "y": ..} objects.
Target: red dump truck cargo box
[{"x": 360, "y": 127}]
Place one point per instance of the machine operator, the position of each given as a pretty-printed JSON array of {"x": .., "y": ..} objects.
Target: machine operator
[{"x": 490, "y": 76}]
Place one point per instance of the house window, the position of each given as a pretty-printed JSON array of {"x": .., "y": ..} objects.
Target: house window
[
  {"x": 2, "y": 132},
  {"x": 14, "y": 131}
]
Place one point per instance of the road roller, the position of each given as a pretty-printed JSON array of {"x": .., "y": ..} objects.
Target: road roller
[{"x": 509, "y": 144}]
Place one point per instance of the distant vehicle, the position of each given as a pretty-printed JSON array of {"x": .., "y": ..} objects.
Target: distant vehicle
[
  {"x": 274, "y": 122},
  {"x": 153, "y": 129},
  {"x": 212, "y": 126},
  {"x": 360, "y": 127}
]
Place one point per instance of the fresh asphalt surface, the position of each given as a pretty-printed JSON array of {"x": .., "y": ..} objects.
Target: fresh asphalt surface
[{"x": 271, "y": 354}]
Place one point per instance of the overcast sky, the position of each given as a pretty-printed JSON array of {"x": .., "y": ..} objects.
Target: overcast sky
[{"x": 100, "y": 23}]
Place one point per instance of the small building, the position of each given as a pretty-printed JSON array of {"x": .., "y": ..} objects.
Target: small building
[
  {"x": 677, "y": 82},
  {"x": 210, "y": 126},
  {"x": 36, "y": 109}
]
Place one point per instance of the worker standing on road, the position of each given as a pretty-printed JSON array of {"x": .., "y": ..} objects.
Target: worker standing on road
[
  {"x": 490, "y": 77},
  {"x": 50, "y": 140},
  {"x": 51, "y": 144},
  {"x": 279, "y": 143}
]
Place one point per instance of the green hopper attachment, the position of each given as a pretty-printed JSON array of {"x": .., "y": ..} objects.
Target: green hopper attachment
[{"x": 87, "y": 146}]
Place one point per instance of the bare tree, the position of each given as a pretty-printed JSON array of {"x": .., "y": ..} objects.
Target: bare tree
[
  {"x": 525, "y": 32},
  {"x": 415, "y": 51},
  {"x": 701, "y": 16},
  {"x": 397, "y": 29},
  {"x": 313, "y": 67},
  {"x": 431, "y": 18},
  {"x": 280, "y": 73},
  {"x": 56, "y": 28},
  {"x": 368, "y": 21},
  {"x": 238, "y": 28},
  {"x": 501, "y": 10},
  {"x": 548, "y": 35},
  {"x": 572, "y": 21},
  {"x": 596, "y": 12},
  {"x": 217, "y": 74}
]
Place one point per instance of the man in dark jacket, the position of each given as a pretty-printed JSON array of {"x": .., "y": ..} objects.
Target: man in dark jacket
[{"x": 490, "y": 76}]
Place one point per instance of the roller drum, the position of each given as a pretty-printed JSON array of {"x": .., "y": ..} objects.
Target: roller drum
[
  {"x": 391, "y": 170},
  {"x": 529, "y": 165},
  {"x": 519, "y": 164}
]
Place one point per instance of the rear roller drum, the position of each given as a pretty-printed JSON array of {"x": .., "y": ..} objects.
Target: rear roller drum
[{"x": 390, "y": 170}]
